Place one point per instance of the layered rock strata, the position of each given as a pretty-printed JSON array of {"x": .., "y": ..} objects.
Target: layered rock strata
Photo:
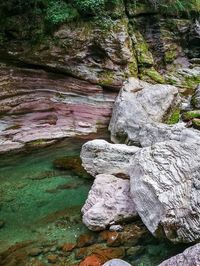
[{"x": 39, "y": 106}]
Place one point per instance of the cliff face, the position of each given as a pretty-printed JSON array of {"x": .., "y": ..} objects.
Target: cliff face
[{"x": 65, "y": 82}]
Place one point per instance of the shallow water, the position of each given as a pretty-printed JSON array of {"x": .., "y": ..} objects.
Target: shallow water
[
  {"x": 38, "y": 201},
  {"x": 43, "y": 204}
]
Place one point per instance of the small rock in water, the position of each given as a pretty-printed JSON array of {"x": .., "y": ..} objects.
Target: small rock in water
[
  {"x": 34, "y": 252},
  {"x": 68, "y": 247},
  {"x": 2, "y": 223},
  {"x": 116, "y": 227},
  {"x": 116, "y": 262},
  {"x": 52, "y": 258},
  {"x": 92, "y": 260}
]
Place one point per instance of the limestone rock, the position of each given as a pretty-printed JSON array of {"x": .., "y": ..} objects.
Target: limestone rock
[
  {"x": 196, "y": 98},
  {"x": 139, "y": 103},
  {"x": 165, "y": 189},
  {"x": 190, "y": 257},
  {"x": 116, "y": 262},
  {"x": 99, "y": 157},
  {"x": 158, "y": 132},
  {"x": 109, "y": 202}
]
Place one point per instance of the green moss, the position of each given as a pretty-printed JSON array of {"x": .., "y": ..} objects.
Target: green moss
[
  {"x": 133, "y": 68},
  {"x": 174, "y": 117},
  {"x": 196, "y": 123},
  {"x": 191, "y": 81},
  {"x": 107, "y": 78},
  {"x": 144, "y": 56},
  {"x": 170, "y": 56},
  {"x": 151, "y": 75},
  {"x": 187, "y": 116}
]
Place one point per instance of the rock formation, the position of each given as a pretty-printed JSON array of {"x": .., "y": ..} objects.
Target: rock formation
[
  {"x": 165, "y": 189},
  {"x": 37, "y": 105},
  {"x": 109, "y": 201},
  {"x": 190, "y": 257},
  {"x": 139, "y": 103},
  {"x": 116, "y": 262},
  {"x": 99, "y": 157}
]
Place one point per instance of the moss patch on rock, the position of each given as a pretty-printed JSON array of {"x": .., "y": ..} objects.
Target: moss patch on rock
[
  {"x": 174, "y": 117},
  {"x": 187, "y": 116},
  {"x": 151, "y": 75}
]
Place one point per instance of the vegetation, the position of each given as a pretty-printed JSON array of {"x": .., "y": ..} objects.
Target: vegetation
[{"x": 176, "y": 6}]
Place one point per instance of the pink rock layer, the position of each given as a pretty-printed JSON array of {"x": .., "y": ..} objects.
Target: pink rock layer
[{"x": 36, "y": 105}]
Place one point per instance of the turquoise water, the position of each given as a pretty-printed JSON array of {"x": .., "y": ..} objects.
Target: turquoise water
[
  {"x": 41, "y": 203},
  {"x": 38, "y": 201}
]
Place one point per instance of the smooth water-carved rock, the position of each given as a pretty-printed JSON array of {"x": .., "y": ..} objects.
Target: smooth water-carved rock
[
  {"x": 190, "y": 257},
  {"x": 139, "y": 103},
  {"x": 165, "y": 188},
  {"x": 158, "y": 132},
  {"x": 99, "y": 157},
  {"x": 116, "y": 262},
  {"x": 109, "y": 201}
]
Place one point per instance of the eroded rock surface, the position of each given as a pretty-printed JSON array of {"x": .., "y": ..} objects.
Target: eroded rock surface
[
  {"x": 116, "y": 262},
  {"x": 37, "y": 105},
  {"x": 165, "y": 189},
  {"x": 99, "y": 157},
  {"x": 190, "y": 257},
  {"x": 109, "y": 201},
  {"x": 138, "y": 104}
]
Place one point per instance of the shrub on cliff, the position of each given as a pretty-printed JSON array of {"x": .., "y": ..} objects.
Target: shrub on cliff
[
  {"x": 90, "y": 7},
  {"x": 59, "y": 11}
]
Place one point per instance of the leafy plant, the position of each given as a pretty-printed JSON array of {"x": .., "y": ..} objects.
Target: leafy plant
[
  {"x": 90, "y": 7},
  {"x": 59, "y": 11}
]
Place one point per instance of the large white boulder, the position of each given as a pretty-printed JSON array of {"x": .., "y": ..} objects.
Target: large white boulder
[
  {"x": 165, "y": 187},
  {"x": 138, "y": 104},
  {"x": 99, "y": 157},
  {"x": 109, "y": 202}
]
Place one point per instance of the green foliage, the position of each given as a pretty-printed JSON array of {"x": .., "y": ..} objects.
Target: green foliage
[
  {"x": 90, "y": 7},
  {"x": 59, "y": 11},
  {"x": 174, "y": 117},
  {"x": 176, "y": 6}
]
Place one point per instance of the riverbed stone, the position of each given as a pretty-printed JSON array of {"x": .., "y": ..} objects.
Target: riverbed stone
[
  {"x": 165, "y": 189},
  {"x": 116, "y": 262},
  {"x": 190, "y": 257},
  {"x": 109, "y": 202},
  {"x": 99, "y": 157}
]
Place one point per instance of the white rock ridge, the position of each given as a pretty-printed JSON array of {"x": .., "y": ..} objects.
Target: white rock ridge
[
  {"x": 99, "y": 157},
  {"x": 109, "y": 201},
  {"x": 165, "y": 187}
]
